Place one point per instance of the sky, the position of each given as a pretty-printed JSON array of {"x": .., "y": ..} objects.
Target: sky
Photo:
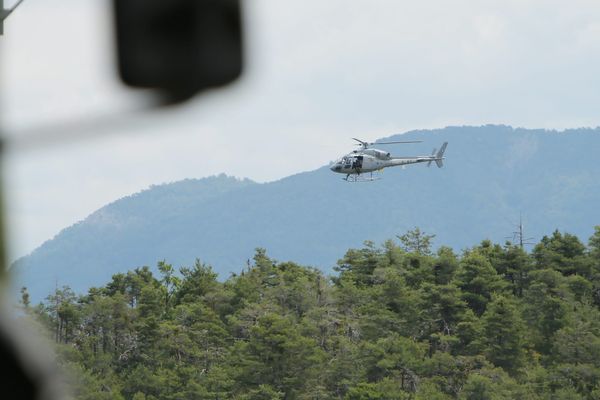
[{"x": 316, "y": 74}]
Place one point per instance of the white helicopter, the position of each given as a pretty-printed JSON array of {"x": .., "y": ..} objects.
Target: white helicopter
[{"x": 367, "y": 159}]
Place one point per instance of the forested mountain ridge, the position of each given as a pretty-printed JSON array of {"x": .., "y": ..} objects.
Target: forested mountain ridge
[
  {"x": 396, "y": 321},
  {"x": 491, "y": 175}
]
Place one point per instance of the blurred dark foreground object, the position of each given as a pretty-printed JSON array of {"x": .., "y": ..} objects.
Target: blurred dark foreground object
[
  {"x": 29, "y": 371},
  {"x": 178, "y": 46}
]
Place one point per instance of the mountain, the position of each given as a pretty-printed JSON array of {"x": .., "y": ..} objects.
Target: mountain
[{"x": 492, "y": 174}]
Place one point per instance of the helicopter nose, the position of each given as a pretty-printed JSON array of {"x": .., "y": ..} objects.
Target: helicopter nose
[{"x": 336, "y": 167}]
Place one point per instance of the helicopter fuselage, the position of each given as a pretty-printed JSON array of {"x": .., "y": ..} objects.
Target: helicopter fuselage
[{"x": 360, "y": 162}]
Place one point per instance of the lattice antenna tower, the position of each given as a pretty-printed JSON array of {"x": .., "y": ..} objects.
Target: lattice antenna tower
[{"x": 518, "y": 236}]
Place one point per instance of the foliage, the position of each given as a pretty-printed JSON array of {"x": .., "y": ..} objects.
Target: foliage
[{"x": 397, "y": 322}]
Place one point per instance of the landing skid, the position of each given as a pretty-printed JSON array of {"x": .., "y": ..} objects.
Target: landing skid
[{"x": 361, "y": 178}]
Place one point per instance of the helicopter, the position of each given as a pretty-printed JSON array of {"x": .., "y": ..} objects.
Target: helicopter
[{"x": 367, "y": 159}]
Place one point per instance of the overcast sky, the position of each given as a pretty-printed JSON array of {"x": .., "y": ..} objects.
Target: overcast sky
[{"x": 317, "y": 74}]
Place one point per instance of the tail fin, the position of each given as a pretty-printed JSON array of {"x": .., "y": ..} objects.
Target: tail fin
[{"x": 440, "y": 155}]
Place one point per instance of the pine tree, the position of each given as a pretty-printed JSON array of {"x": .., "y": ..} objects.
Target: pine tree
[
  {"x": 478, "y": 280},
  {"x": 502, "y": 332}
]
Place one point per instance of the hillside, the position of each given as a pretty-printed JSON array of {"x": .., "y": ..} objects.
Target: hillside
[{"x": 491, "y": 174}]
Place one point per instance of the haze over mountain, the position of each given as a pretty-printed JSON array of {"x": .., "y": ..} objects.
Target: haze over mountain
[{"x": 491, "y": 175}]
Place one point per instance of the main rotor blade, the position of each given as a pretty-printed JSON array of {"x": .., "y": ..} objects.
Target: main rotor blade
[
  {"x": 360, "y": 141},
  {"x": 366, "y": 144},
  {"x": 409, "y": 141}
]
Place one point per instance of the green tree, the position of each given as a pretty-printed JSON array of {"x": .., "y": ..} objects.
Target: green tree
[
  {"x": 276, "y": 354},
  {"x": 429, "y": 390},
  {"x": 516, "y": 265},
  {"x": 415, "y": 241},
  {"x": 169, "y": 281},
  {"x": 502, "y": 334},
  {"x": 359, "y": 265},
  {"x": 389, "y": 306},
  {"x": 445, "y": 309},
  {"x": 444, "y": 266},
  {"x": 446, "y": 374},
  {"x": 478, "y": 280},
  {"x": 562, "y": 252},
  {"x": 578, "y": 341},
  {"x": 386, "y": 389},
  {"x": 198, "y": 281},
  {"x": 395, "y": 357},
  {"x": 262, "y": 392},
  {"x": 469, "y": 331},
  {"x": 594, "y": 248},
  {"x": 493, "y": 253},
  {"x": 63, "y": 312},
  {"x": 545, "y": 308},
  {"x": 594, "y": 259}
]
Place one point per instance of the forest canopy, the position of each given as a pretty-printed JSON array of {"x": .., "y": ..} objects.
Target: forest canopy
[{"x": 396, "y": 321}]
